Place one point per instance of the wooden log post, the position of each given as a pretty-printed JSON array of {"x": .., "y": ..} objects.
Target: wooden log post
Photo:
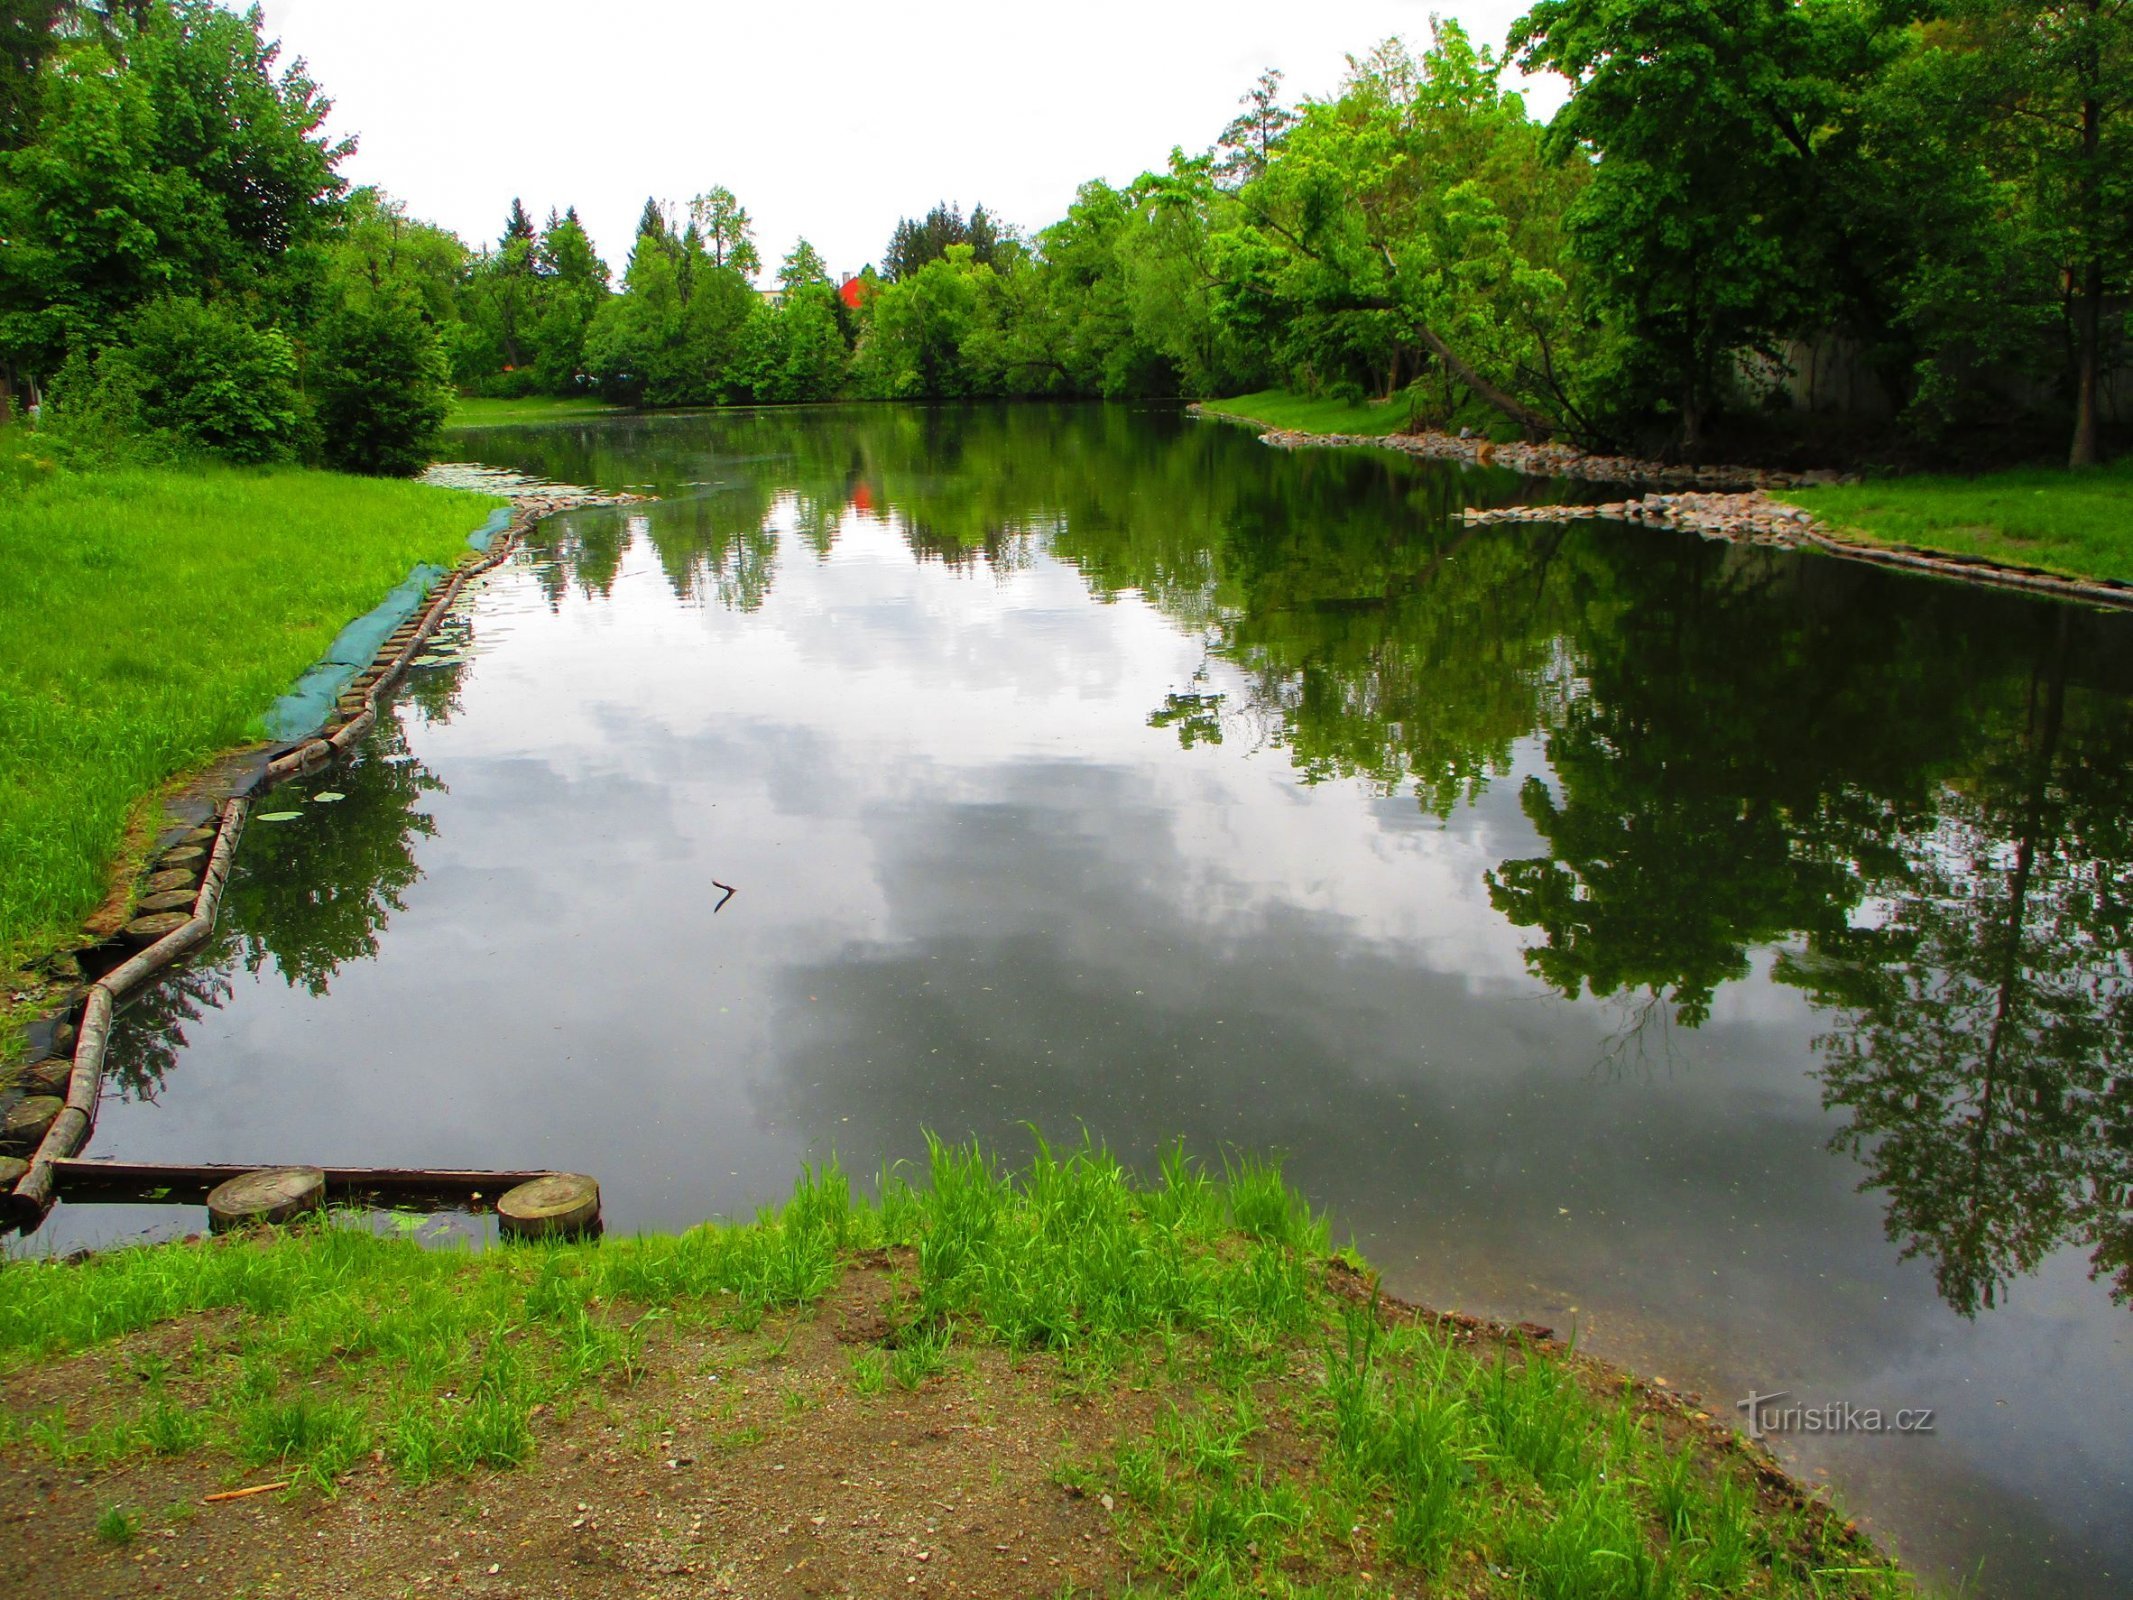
[
  {"x": 271, "y": 1194},
  {"x": 559, "y": 1204}
]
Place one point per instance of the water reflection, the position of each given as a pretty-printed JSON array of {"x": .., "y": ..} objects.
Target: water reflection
[{"x": 1920, "y": 803}]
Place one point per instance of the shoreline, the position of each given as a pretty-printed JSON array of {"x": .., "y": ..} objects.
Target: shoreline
[
  {"x": 1734, "y": 504},
  {"x": 156, "y": 913},
  {"x": 1201, "y": 1359}
]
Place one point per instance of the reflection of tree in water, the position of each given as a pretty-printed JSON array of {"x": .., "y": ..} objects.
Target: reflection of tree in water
[
  {"x": 721, "y": 544},
  {"x": 585, "y": 546},
  {"x": 313, "y": 894},
  {"x": 1985, "y": 1016},
  {"x": 1910, "y": 790},
  {"x": 150, "y": 1028}
]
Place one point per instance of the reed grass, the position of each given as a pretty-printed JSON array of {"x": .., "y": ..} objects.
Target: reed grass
[
  {"x": 1298, "y": 1431},
  {"x": 148, "y": 620}
]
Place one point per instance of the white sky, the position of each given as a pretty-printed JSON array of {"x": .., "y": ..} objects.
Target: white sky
[{"x": 828, "y": 119}]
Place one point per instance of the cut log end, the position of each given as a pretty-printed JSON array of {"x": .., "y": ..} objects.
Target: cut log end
[
  {"x": 144, "y": 931},
  {"x": 557, "y": 1204},
  {"x": 272, "y": 1194}
]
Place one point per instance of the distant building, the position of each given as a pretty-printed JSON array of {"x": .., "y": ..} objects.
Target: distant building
[{"x": 854, "y": 290}]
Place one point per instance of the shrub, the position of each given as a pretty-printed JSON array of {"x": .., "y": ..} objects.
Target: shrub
[
  {"x": 382, "y": 386},
  {"x": 186, "y": 376}
]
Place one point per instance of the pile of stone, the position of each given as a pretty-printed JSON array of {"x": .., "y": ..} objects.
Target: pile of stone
[
  {"x": 1748, "y": 518},
  {"x": 1541, "y": 460}
]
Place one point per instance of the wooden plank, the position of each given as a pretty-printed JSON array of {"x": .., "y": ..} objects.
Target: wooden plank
[{"x": 159, "y": 1183}]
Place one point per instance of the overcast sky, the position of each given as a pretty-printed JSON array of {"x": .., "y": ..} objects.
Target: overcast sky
[{"x": 829, "y": 120}]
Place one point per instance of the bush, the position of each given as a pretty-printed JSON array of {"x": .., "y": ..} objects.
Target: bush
[
  {"x": 186, "y": 376},
  {"x": 382, "y": 386}
]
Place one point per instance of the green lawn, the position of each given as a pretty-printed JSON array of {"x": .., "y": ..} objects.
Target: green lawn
[
  {"x": 2080, "y": 523},
  {"x": 1277, "y": 408},
  {"x": 474, "y": 413},
  {"x": 148, "y": 619}
]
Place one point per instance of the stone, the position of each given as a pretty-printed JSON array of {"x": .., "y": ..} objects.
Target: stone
[
  {"x": 25, "y": 1120},
  {"x": 271, "y": 1194},
  {"x": 164, "y": 882},
  {"x": 144, "y": 931},
  {"x": 48, "y": 1076},
  {"x": 557, "y": 1203}
]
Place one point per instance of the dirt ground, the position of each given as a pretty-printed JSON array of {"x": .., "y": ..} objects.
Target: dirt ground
[{"x": 740, "y": 1464}]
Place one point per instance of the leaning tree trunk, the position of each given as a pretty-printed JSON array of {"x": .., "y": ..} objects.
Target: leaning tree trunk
[{"x": 1535, "y": 426}]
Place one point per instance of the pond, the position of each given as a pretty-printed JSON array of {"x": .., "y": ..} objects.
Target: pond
[{"x": 1719, "y": 952}]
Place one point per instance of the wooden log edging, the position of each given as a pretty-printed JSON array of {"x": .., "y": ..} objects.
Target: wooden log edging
[
  {"x": 76, "y": 1179},
  {"x": 1755, "y": 518},
  {"x": 33, "y": 1195}
]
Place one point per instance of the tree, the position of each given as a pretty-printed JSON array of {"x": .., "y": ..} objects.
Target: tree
[
  {"x": 1702, "y": 125},
  {"x": 170, "y": 154},
  {"x": 1249, "y": 142},
  {"x": 379, "y": 378},
  {"x": 2057, "y": 79},
  {"x": 1411, "y": 222},
  {"x": 727, "y": 233},
  {"x": 518, "y": 228},
  {"x": 914, "y": 244},
  {"x": 803, "y": 265}
]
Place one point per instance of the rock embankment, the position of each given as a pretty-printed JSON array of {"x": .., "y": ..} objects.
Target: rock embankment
[{"x": 1548, "y": 460}]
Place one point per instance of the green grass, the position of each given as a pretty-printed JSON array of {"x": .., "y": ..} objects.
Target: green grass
[
  {"x": 149, "y": 618},
  {"x": 2078, "y": 523},
  {"x": 1290, "y": 1435},
  {"x": 476, "y": 413},
  {"x": 1277, "y": 408}
]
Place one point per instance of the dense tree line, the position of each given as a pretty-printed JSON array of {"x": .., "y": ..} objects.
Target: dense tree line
[{"x": 1936, "y": 195}]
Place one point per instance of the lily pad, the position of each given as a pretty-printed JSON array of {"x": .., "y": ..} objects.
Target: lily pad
[
  {"x": 327, "y": 798},
  {"x": 278, "y": 816}
]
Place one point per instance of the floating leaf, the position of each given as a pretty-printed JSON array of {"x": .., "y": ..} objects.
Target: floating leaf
[
  {"x": 328, "y": 797},
  {"x": 277, "y": 816}
]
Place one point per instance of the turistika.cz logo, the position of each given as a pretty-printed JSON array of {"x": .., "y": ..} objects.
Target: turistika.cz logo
[{"x": 1766, "y": 1416}]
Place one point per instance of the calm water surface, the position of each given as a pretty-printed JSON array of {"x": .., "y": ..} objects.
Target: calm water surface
[{"x": 1724, "y": 954}]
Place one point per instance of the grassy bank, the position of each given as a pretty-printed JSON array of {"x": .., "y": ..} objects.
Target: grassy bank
[
  {"x": 478, "y": 413},
  {"x": 148, "y": 619},
  {"x": 2078, "y": 523},
  {"x": 1055, "y": 1381},
  {"x": 1277, "y": 408}
]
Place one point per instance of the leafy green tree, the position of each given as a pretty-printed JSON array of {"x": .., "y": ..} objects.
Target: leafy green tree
[
  {"x": 727, "y": 234},
  {"x": 170, "y": 155},
  {"x": 573, "y": 287},
  {"x": 1249, "y": 142},
  {"x": 1703, "y": 124},
  {"x": 916, "y": 326},
  {"x": 382, "y": 385},
  {"x": 1410, "y": 224},
  {"x": 2057, "y": 79},
  {"x": 803, "y": 265}
]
